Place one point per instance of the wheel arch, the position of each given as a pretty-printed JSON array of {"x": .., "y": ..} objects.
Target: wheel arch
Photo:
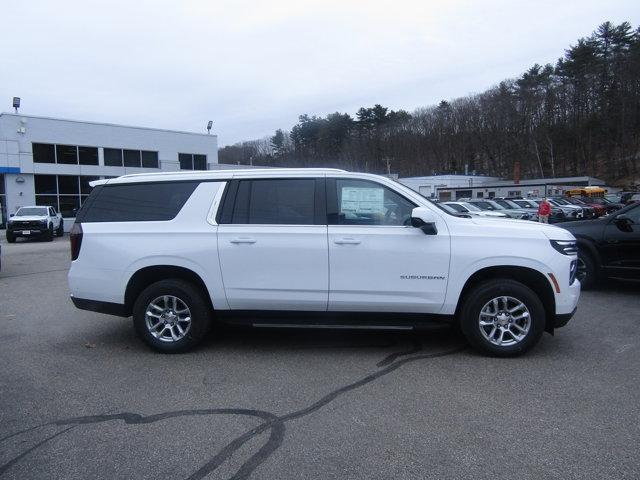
[
  {"x": 530, "y": 277},
  {"x": 587, "y": 245},
  {"x": 144, "y": 277}
]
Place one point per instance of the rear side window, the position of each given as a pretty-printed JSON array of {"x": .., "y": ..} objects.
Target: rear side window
[
  {"x": 295, "y": 201},
  {"x": 136, "y": 202}
]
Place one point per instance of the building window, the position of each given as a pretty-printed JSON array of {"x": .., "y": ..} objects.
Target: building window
[
  {"x": 64, "y": 154},
  {"x": 116, "y": 157},
  {"x": 480, "y": 194},
  {"x": 65, "y": 193},
  {"x": 132, "y": 158},
  {"x": 44, "y": 153},
  {"x": 192, "y": 161},
  {"x": 515, "y": 193},
  {"x": 88, "y": 155},
  {"x": 113, "y": 157},
  {"x": 67, "y": 154},
  {"x": 150, "y": 159}
]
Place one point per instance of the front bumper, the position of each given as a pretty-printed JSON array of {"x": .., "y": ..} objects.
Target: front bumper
[
  {"x": 562, "y": 319},
  {"x": 18, "y": 231}
]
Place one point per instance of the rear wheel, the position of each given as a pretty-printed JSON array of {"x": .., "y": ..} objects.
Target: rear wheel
[
  {"x": 502, "y": 317},
  {"x": 60, "y": 229},
  {"x": 172, "y": 316}
]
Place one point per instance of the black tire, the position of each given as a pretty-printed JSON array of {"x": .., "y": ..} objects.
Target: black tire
[
  {"x": 480, "y": 296},
  {"x": 49, "y": 235},
  {"x": 587, "y": 273},
  {"x": 11, "y": 237},
  {"x": 60, "y": 229},
  {"x": 192, "y": 297}
]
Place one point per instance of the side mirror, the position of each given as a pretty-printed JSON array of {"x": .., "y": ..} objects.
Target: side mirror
[
  {"x": 623, "y": 222},
  {"x": 425, "y": 220},
  {"x": 11, "y": 215}
]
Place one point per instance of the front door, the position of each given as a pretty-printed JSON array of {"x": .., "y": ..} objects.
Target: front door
[
  {"x": 621, "y": 246},
  {"x": 378, "y": 262},
  {"x": 272, "y": 242}
]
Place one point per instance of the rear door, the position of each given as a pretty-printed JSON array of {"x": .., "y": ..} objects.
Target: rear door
[
  {"x": 272, "y": 243},
  {"x": 377, "y": 261}
]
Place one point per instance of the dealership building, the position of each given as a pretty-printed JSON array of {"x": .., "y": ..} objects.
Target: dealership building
[{"x": 50, "y": 161}]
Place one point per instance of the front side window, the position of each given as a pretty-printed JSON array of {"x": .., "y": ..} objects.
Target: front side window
[
  {"x": 362, "y": 202},
  {"x": 275, "y": 202}
]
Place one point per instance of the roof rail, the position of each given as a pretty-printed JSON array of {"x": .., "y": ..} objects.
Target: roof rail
[{"x": 231, "y": 170}]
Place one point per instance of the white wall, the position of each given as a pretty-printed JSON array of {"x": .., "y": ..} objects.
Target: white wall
[{"x": 18, "y": 132}]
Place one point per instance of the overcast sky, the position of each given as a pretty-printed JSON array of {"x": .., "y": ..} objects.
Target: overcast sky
[{"x": 254, "y": 66}]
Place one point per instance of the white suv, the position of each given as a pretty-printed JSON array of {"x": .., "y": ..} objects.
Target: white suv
[{"x": 312, "y": 247}]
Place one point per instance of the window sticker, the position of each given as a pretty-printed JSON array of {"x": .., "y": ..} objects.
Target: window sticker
[{"x": 361, "y": 201}]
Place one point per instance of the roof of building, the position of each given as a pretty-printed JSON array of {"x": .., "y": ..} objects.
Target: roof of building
[
  {"x": 538, "y": 181},
  {"x": 9, "y": 114}
]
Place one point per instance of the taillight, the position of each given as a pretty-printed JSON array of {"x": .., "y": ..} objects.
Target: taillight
[{"x": 76, "y": 240}]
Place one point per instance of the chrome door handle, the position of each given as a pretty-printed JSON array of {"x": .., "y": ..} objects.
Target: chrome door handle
[
  {"x": 346, "y": 241},
  {"x": 242, "y": 240}
]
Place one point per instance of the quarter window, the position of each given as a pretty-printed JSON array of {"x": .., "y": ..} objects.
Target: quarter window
[
  {"x": 137, "y": 203},
  {"x": 361, "y": 202}
]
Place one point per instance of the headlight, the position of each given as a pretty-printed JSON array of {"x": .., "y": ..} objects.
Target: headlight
[
  {"x": 573, "y": 271},
  {"x": 566, "y": 247}
]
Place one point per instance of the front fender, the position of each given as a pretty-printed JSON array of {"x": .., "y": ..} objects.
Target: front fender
[{"x": 460, "y": 278}]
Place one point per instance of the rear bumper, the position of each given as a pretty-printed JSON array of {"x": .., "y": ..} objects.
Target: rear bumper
[{"x": 108, "y": 308}]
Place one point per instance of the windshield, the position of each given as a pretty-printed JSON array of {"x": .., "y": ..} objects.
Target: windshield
[
  {"x": 456, "y": 207},
  {"x": 32, "y": 211},
  {"x": 471, "y": 207},
  {"x": 487, "y": 206},
  {"x": 503, "y": 203},
  {"x": 561, "y": 201},
  {"x": 524, "y": 204}
]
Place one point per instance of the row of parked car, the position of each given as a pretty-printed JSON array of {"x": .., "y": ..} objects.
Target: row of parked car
[{"x": 563, "y": 209}]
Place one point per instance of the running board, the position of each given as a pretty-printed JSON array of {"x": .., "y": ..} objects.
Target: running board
[{"x": 333, "y": 327}]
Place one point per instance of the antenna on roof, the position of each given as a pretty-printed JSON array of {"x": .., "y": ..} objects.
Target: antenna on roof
[
  {"x": 209, "y": 125},
  {"x": 16, "y": 103}
]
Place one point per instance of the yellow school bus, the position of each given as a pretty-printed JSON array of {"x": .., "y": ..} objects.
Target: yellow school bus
[{"x": 586, "y": 192}]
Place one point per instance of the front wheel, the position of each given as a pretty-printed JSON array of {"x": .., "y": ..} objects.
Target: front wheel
[
  {"x": 60, "y": 230},
  {"x": 172, "y": 316},
  {"x": 586, "y": 271},
  {"x": 502, "y": 317}
]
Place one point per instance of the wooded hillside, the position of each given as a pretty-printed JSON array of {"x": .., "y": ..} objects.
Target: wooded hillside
[{"x": 579, "y": 117}]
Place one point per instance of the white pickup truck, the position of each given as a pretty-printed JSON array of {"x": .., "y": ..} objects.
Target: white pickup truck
[
  {"x": 312, "y": 248},
  {"x": 35, "y": 221}
]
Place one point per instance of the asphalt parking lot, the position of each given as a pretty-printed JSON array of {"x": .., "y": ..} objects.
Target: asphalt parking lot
[{"x": 81, "y": 397}]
